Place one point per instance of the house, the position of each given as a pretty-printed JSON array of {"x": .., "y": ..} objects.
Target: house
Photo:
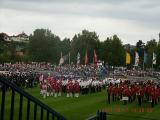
[
  {"x": 19, "y": 42},
  {"x": 22, "y": 37}
]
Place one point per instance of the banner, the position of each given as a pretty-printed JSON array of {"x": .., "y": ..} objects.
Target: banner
[
  {"x": 136, "y": 59},
  {"x": 78, "y": 58},
  {"x": 64, "y": 58},
  {"x": 95, "y": 57},
  {"x": 128, "y": 58},
  {"x": 145, "y": 57},
  {"x": 154, "y": 58},
  {"x": 86, "y": 58}
]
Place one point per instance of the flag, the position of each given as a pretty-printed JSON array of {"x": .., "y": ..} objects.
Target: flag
[
  {"x": 86, "y": 59},
  {"x": 63, "y": 58},
  {"x": 136, "y": 59},
  {"x": 128, "y": 58},
  {"x": 145, "y": 57},
  {"x": 78, "y": 58},
  {"x": 154, "y": 58},
  {"x": 61, "y": 61},
  {"x": 95, "y": 57}
]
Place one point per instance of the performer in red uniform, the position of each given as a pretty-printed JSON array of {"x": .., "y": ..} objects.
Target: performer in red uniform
[
  {"x": 55, "y": 89},
  {"x": 44, "y": 88},
  {"x": 69, "y": 88},
  {"x": 76, "y": 89},
  {"x": 41, "y": 80},
  {"x": 109, "y": 90},
  {"x": 140, "y": 95},
  {"x": 154, "y": 96},
  {"x": 126, "y": 93},
  {"x": 59, "y": 87}
]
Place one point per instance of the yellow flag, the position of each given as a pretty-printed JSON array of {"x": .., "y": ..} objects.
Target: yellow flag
[{"x": 128, "y": 58}]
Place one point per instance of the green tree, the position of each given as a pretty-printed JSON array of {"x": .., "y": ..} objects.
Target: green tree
[
  {"x": 140, "y": 48},
  {"x": 44, "y": 46},
  {"x": 151, "y": 47},
  {"x": 65, "y": 46},
  {"x": 114, "y": 51},
  {"x": 82, "y": 42}
]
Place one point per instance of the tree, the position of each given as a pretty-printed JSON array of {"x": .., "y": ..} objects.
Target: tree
[
  {"x": 65, "y": 46},
  {"x": 140, "y": 48},
  {"x": 82, "y": 42},
  {"x": 44, "y": 46},
  {"x": 151, "y": 47},
  {"x": 114, "y": 51}
]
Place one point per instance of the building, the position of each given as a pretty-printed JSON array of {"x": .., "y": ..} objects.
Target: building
[
  {"x": 19, "y": 42},
  {"x": 22, "y": 37}
]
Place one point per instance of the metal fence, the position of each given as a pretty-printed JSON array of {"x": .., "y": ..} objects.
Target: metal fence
[{"x": 44, "y": 109}]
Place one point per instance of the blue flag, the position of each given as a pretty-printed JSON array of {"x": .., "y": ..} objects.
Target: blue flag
[{"x": 145, "y": 57}]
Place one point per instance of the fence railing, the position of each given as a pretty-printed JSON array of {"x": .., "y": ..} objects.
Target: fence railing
[
  {"x": 99, "y": 116},
  {"x": 50, "y": 113}
]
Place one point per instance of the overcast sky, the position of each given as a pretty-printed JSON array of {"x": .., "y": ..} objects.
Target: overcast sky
[{"x": 131, "y": 20}]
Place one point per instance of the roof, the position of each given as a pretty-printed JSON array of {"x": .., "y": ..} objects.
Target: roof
[{"x": 22, "y": 35}]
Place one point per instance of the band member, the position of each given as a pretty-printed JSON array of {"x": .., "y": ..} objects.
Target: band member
[
  {"x": 76, "y": 89},
  {"x": 109, "y": 90}
]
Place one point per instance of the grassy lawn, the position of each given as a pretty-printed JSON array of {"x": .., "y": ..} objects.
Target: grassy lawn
[{"x": 85, "y": 106}]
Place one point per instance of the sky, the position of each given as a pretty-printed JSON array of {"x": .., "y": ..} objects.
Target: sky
[{"x": 131, "y": 20}]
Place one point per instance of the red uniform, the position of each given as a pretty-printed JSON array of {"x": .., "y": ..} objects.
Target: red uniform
[
  {"x": 126, "y": 92},
  {"x": 110, "y": 89},
  {"x": 70, "y": 87},
  {"x": 77, "y": 87},
  {"x": 56, "y": 87},
  {"x": 154, "y": 95}
]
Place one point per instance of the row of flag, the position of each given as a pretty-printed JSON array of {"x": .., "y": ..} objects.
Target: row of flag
[
  {"x": 95, "y": 59},
  {"x": 86, "y": 61},
  {"x": 128, "y": 58}
]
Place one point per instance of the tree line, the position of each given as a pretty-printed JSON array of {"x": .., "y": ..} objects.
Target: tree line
[{"x": 46, "y": 46}]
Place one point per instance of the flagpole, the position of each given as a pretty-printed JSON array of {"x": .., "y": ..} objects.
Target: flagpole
[
  {"x": 69, "y": 58},
  {"x": 143, "y": 60},
  {"x": 152, "y": 68},
  {"x": 61, "y": 54},
  {"x": 152, "y": 64}
]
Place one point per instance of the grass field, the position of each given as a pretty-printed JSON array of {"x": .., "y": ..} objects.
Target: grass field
[{"x": 86, "y": 106}]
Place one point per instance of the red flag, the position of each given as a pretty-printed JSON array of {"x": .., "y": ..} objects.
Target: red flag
[
  {"x": 86, "y": 59},
  {"x": 95, "y": 57}
]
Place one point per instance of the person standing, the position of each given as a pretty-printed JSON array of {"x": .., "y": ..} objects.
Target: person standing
[{"x": 109, "y": 91}]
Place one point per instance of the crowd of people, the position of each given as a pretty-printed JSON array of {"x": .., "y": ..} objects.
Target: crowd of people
[
  {"x": 71, "y": 80},
  {"x": 71, "y": 87},
  {"x": 136, "y": 72},
  {"x": 24, "y": 75},
  {"x": 58, "y": 79},
  {"x": 21, "y": 79},
  {"x": 141, "y": 91},
  {"x": 26, "y": 67}
]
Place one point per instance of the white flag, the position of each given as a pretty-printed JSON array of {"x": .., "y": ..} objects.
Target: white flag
[
  {"x": 154, "y": 58},
  {"x": 78, "y": 58},
  {"x": 61, "y": 61},
  {"x": 136, "y": 59}
]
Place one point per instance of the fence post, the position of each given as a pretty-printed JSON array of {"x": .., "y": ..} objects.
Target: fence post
[
  {"x": 4, "y": 84},
  {"x": 101, "y": 115}
]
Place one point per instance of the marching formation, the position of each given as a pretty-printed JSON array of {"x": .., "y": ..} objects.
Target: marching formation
[
  {"x": 72, "y": 87},
  {"x": 138, "y": 91}
]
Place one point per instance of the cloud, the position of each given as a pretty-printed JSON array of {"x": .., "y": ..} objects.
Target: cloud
[{"x": 127, "y": 18}]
